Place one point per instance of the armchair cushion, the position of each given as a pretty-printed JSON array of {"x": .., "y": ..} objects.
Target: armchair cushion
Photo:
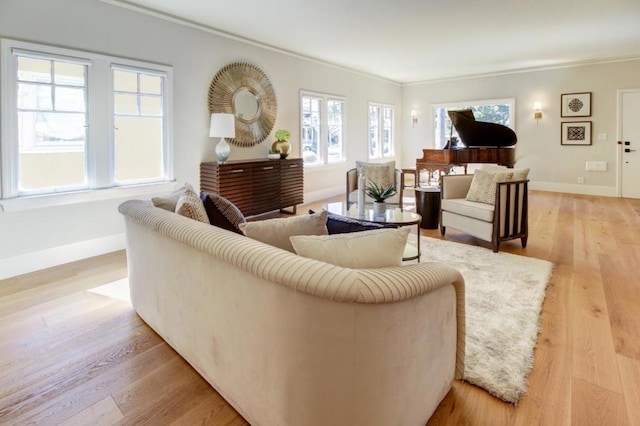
[
  {"x": 481, "y": 211},
  {"x": 382, "y": 174},
  {"x": 518, "y": 174},
  {"x": 483, "y": 186}
]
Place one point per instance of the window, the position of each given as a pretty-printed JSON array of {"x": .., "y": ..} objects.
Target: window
[
  {"x": 380, "y": 131},
  {"x": 499, "y": 111},
  {"x": 322, "y": 128},
  {"x": 81, "y": 121}
]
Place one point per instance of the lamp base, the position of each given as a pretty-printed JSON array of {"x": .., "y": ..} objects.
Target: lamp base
[{"x": 223, "y": 150}]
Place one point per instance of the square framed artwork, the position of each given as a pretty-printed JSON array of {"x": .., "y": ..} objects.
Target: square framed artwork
[
  {"x": 575, "y": 104},
  {"x": 576, "y": 133}
]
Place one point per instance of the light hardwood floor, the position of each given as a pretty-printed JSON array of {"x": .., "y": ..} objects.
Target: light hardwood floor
[{"x": 71, "y": 356}]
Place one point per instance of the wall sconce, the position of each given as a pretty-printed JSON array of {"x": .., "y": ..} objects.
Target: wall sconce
[
  {"x": 537, "y": 111},
  {"x": 414, "y": 117}
]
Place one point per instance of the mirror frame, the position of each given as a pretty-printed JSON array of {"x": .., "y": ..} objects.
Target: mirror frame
[{"x": 227, "y": 83}]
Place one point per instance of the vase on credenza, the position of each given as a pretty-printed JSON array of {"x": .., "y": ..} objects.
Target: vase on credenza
[{"x": 283, "y": 147}]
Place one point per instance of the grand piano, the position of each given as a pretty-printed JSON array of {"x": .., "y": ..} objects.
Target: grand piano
[{"x": 483, "y": 143}]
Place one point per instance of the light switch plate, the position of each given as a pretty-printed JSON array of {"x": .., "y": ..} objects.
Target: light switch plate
[{"x": 602, "y": 136}]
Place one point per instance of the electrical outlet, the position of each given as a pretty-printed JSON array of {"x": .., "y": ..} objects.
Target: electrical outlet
[{"x": 580, "y": 179}]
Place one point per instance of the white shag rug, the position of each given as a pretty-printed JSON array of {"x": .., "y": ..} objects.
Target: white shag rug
[{"x": 504, "y": 295}]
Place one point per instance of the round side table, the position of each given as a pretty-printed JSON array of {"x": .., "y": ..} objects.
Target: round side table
[{"x": 428, "y": 206}]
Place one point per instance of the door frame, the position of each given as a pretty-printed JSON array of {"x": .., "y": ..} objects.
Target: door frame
[{"x": 620, "y": 147}]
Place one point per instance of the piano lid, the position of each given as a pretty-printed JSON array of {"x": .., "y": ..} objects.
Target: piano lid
[{"x": 480, "y": 134}]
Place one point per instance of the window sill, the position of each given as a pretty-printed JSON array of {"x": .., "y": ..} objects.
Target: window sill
[{"x": 52, "y": 200}]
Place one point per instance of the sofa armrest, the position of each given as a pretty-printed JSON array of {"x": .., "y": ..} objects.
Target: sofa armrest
[{"x": 456, "y": 186}]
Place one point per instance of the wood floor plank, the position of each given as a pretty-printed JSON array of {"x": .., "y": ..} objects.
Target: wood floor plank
[
  {"x": 630, "y": 378},
  {"x": 594, "y": 355},
  {"x": 596, "y": 406},
  {"x": 103, "y": 412}
]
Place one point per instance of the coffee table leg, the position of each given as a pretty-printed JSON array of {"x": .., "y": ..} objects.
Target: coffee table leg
[{"x": 419, "y": 253}]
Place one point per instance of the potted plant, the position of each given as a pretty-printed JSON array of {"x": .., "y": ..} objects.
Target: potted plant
[
  {"x": 379, "y": 193},
  {"x": 282, "y": 144}
]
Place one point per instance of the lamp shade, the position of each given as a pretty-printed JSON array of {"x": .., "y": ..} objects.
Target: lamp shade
[
  {"x": 537, "y": 105},
  {"x": 222, "y": 126}
]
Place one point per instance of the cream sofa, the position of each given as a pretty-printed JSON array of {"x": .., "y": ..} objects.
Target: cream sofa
[{"x": 293, "y": 341}]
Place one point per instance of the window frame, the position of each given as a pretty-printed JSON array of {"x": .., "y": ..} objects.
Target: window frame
[
  {"x": 99, "y": 149},
  {"x": 379, "y": 155},
  {"x": 511, "y": 102},
  {"x": 323, "y": 139}
]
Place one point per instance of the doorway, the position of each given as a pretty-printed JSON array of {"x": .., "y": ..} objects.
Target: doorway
[{"x": 629, "y": 149}]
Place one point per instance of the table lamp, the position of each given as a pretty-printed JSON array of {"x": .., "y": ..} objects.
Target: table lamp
[{"x": 222, "y": 126}]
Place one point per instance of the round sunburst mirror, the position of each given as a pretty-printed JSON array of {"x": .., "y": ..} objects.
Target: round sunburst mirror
[{"x": 245, "y": 91}]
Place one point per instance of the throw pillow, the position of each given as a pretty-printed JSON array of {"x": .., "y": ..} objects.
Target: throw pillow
[
  {"x": 518, "y": 174},
  {"x": 341, "y": 225},
  {"x": 190, "y": 205},
  {"x": 370, "y": 249},
  {"x": 222, "y": 212},
  {"x": 276, "y": 232},
  {"x": 383, "y": 174},
  {"x": 168, "y": 202},
  {"x": 483, "y": 186}
]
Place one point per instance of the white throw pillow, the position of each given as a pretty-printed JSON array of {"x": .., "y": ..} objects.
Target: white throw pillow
[
  {"x": 190, "y": 205},
  {"x": 483, "y": 186},
  {"x": 367, "y": 249},
  {"x": 276, "y": 232},
  {"x": 383, "y": 174},
  {"x": 518, "y": 174}
]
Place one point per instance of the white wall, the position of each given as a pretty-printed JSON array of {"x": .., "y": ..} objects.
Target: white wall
[
  {"x": 72, "y": 231},
  {"x": 553, "y": 167}
]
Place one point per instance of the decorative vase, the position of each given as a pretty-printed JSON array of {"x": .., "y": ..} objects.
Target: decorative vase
[
  {"x": 222, "y": 151},
  {"x": 283, "y": 147},
  {"x": 379, "y": 208}
]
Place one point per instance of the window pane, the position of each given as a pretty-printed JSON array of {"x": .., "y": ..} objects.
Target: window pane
[
  {"x": 387, "y": 133},
  {"x": 335, "y": 111},
  {"x": 138, "y": 148},
  {"x": 69, "y": 99},
  {"x": 34, "y": 96},
  {"x": 374, "y": 132},
  {"x": 69, "y": 74},
  {"x": 150, "y": 84},
  {"x": 499, "y": 113},
  {"x": 51, "y": 150},
  {"x": 37, "y": 70},
  {"x": 311, "y": 130},
  {"x": 151, "y": 105},
  {"x": 125, "y": 81},
  {"x": 126, "y": 104}
]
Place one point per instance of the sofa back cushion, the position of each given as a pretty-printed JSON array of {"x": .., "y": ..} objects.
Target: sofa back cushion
[
  {"x": 222, "y": 212},
  {"x": 369, "y": 249},
  {"x": 276, "y": 232}
]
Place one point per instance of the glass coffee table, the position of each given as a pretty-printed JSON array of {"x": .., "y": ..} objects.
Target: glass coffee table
[{"x": 393, "y": 215}]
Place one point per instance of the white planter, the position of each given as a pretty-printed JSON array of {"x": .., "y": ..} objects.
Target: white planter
[{"x": 379, "y": 208}]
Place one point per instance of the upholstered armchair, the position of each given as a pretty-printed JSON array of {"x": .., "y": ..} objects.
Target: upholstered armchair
[
  {"x": 501, "y": 220},
  {"x": 381, "y": 173}
]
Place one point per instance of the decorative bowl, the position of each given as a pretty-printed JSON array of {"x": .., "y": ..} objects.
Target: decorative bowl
[{"x": 273, "y": 156}]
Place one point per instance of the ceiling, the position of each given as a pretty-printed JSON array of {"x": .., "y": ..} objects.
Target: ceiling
[{"x": 420, "y": 40}]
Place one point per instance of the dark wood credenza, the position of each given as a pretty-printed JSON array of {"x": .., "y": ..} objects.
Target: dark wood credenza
[{"x": 256, "y": 186}]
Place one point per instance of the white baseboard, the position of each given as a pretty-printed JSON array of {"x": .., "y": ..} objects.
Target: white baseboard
[
  {"x": 311, "y": 197},
  {"x": 606, "y": 191},
  {"x": 35, "y": 261}
]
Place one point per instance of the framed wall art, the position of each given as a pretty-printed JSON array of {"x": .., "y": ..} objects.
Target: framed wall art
[
  {"x": 575, "y": 104},
  {"x": 576, "y": 133}
]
